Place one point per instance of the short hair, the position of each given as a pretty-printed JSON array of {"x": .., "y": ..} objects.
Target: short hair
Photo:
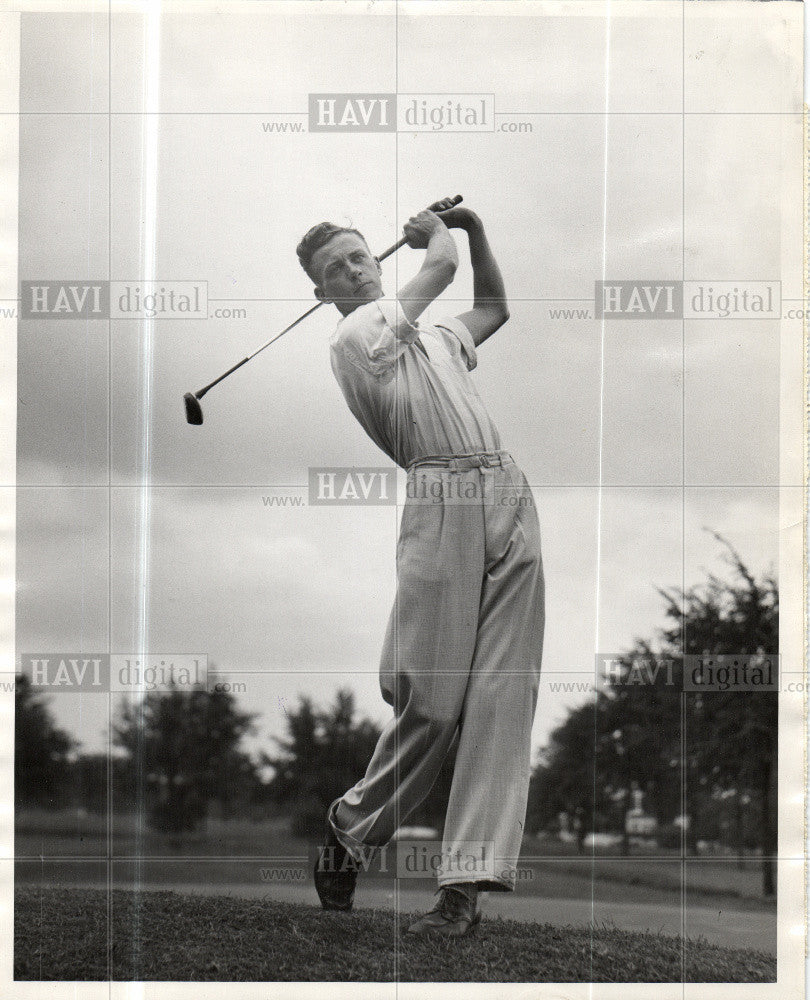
[{"x": 316, "y": 238}]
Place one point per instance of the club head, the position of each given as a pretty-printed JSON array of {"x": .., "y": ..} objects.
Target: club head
[{"x": 193, "y": 409}]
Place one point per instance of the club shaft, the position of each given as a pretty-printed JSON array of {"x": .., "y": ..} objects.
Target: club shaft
[
  {"x": 286, "y": 329},
  {"x": 273, "y": 339},
  {"x": 201, "y": 392},
  {"x": 393, "y": 249},
  {"x": 303, "y": 316},
  {"x": 309, "y": 312}
]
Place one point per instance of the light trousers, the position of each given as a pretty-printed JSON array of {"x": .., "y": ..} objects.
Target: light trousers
[{"x": 461, "y": 655}]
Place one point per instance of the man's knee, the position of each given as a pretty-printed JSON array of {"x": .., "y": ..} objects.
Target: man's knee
[{"x": 435, "y": 719}]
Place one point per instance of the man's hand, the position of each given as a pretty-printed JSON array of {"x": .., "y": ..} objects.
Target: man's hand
[
  {"x": 458, "y": 217},
  {"x": 419, "y": 228}
]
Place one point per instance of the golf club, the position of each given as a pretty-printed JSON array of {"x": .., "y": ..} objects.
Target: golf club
[{"x": 194, "y": 414}]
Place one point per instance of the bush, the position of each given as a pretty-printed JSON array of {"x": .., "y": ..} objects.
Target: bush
[
  {"x": 669, "y": 836},
  {"x": 308, "y": 817}
]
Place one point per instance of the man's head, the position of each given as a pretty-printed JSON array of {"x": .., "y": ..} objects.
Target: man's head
[{"x": 340, "y": 263}]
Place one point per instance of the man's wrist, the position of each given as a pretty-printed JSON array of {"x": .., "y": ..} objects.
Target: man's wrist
[
  {"x": 473, "y": 224},
  {"x": 442, "y": 244}
]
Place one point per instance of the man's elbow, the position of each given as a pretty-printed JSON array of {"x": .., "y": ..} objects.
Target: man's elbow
[
  {"x": 494, "y": 319},
  {"x": 495, "y": 313},
  {"x": 500, "y": 315}
]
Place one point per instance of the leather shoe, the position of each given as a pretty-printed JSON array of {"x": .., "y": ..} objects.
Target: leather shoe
[
  {"x": 335, "y": 874},
  {"x": 455, "y": 915}
]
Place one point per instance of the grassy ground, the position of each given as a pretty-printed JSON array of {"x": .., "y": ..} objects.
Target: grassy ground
[{"x": 62, "y": 934}]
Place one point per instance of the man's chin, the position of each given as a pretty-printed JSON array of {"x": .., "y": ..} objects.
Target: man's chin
[{"x": 362, "y": 298}]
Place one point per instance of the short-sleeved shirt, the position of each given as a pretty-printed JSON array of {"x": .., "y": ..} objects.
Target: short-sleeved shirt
[{"x": 411, "y": 402}]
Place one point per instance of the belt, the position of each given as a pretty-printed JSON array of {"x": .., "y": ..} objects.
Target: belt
[{"x": 463, "y": 463}]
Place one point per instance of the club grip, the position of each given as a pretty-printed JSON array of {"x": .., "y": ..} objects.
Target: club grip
[{"x": 401, "y": 243}]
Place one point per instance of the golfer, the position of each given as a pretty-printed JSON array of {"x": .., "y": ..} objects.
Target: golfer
[{"x": 464, "y": 641}]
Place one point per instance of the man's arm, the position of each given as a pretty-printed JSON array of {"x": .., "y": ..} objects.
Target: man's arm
[
  {"x": 490, "y": 310},
  {"x": 427, "y": 231}
]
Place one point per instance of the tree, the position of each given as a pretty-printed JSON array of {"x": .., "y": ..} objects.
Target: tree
[
  {"x": 734, "y": 734},
  {"x": 183, "y": 750},
  {"x": 711, "y": 744},
  {"x": 324, "y": 754},
  {"x": 42, "y": 751},
  {"x": 564, "y": 779},
  {"x": 88, "y": 783}
]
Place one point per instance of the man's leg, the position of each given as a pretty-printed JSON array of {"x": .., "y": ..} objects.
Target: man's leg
[
  {"x": 493, "y": 765},
  {"x": 424, "y": 668}
]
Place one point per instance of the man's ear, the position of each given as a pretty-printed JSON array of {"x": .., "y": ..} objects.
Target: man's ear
[
  {"x": 379, "y": 265},
  {"x": 320, "y": 294}
]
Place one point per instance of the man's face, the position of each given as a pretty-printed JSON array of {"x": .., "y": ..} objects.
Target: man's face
[{"x": 349, "y": 274}]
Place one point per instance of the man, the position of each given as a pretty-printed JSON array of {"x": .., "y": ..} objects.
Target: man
[{"x": 463, "y": 646}]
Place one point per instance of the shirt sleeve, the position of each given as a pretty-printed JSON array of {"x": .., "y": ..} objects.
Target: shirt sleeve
[
  {"x": 374, "y": 336},
  {"x": 454, "y": 326}
]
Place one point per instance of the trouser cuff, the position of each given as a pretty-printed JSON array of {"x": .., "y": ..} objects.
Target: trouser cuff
[{"x": 356, "y": 848}]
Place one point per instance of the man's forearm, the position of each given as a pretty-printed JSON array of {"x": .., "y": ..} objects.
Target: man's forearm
[
  {"x": 488, "y": 286},
  {"x": 441, "y": 251},
  {"x": 436, "y": 273}
]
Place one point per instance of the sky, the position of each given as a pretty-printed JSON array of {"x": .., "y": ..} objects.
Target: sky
[{"x": 635, "y": 436}]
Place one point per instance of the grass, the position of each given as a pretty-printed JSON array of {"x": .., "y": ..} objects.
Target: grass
[{"x": 61, "y": 934}]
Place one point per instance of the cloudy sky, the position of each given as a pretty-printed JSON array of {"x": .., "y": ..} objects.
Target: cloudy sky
[{"x": 636, "y": 436}]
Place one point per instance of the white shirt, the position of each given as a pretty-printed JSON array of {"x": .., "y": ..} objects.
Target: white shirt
[{"x": 410, "y": 403}]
